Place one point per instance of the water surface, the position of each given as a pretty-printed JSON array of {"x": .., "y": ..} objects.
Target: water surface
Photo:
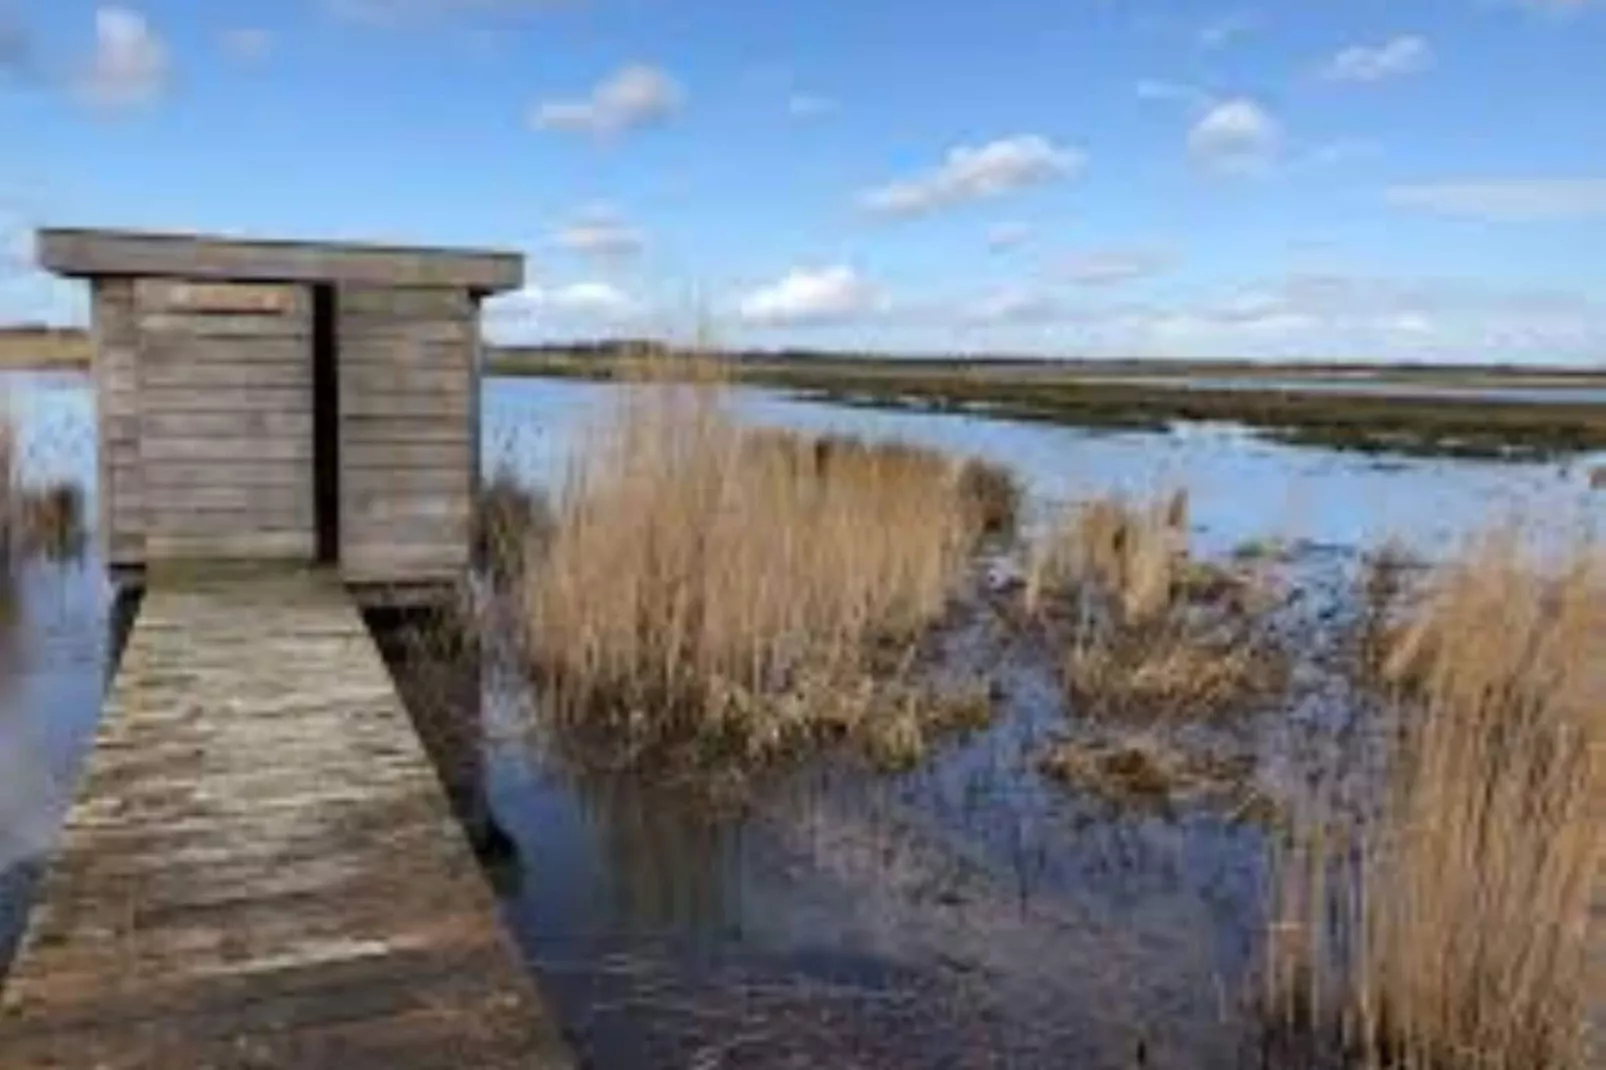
[{"x": 967, "y": 914}]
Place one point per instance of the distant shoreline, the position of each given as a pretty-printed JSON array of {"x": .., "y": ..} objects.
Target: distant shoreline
[
  {"x": 30, "y": 348},
  {"x": 1113, "y": 394},
  {"x": 1134, "y": 396}
]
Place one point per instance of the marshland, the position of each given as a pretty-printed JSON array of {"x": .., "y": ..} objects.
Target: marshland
[{"x": 824, "y": 735}]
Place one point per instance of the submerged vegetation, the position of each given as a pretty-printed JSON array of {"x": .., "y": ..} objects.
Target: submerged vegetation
[
  {"x": 1154, "y": 635},
  {"x": 45, "y": 521},
  {"x": 1160, "y": 655},
  {"x": 1449, "y": 926},
  {"x": 716, "y": 594},
  {"x": 9, "y": 496},
  {"x": 512, "y": 523}
]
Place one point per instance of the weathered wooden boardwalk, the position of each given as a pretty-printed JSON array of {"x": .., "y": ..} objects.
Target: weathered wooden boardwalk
[{"x": 261, "y": 869}]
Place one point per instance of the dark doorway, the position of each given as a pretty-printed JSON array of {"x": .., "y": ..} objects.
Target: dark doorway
[{"x": 326, "y": 423}]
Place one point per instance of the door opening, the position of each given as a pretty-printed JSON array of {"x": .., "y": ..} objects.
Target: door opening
[{"x": 326, "y": 423}]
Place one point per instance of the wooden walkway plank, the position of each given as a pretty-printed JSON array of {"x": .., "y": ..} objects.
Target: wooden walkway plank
[{"x": 261, "y": 869}]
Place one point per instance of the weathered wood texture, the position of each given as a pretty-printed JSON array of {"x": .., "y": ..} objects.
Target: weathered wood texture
[
  {"x": 261, "y": 869},
  {"x": 194, "y": 257},
  {"x": 408, "y": 385},
  {"x": 117, "y": 411},
  {"x": 196, "y": 420}
]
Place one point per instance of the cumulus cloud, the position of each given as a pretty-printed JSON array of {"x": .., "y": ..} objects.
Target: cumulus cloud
[
  {"x": 1407, "y": 54},
  {"x": 976, "y": 173},
  {"x": 1236, "y": 136},
  {"x": 812, "y": 296},
  {"x": 16, "y": 245},
  {"x": 1115, "y": 266},
  {"x": 600, "y": 232},
  {"x": 247, "y": 44},
  {"x": 809, "y": 105},
  {"x": 1517, "y": 200},
  {"x": 525, "y": 312},
  {"x": 131, "y": 65},
  {"x": 1317, "y": 314},
  {"x": 634, "y": 96}
]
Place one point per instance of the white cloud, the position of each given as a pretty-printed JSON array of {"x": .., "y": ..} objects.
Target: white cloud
[
  {"x": 976, "y": 173},
  {"x": 1313, "y": 314},
  {"x": 1507, "y": 200},
  {"x": 16, "y": 246},
  {"x": 809, "y": 106},
  {"x": 1408, "y": 54},
  {"x": 131, "y": 65},
  {"x": 600, "y": 299},
  {"x": 534, "y": 306},
  {"x": 1001, "y": 236},
  {"x": 1113, "y": 267},
  {"x": 1236, "y": 136},
  {"x": 804, "y": 296},
  {"x": 248, "y": 44},
  {"x": 599, "y": 232},
  {"x": 634, "y": 96}
]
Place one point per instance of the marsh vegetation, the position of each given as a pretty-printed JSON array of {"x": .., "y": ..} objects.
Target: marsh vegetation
[
  {"x": 817, "y": 746},
  {"x": 714, "y": 601},
  {"x": 715, "y": 594},
  {"x": 1449, "y": 923},
  {"x": 1431, "y": 413}
]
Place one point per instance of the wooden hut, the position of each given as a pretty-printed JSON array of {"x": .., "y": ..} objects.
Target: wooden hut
[{"x": 285, "y": 401}]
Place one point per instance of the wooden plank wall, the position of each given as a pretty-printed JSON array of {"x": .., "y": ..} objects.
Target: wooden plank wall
[
  {"x": 122, "y": 531},
  {"x": 408, "y": 386},
  {"x": 225, "y": 420}
]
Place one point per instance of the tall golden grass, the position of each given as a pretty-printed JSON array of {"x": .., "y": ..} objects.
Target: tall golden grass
[
  {"x": 1453, "y": 931},
  {"x": 8, "y": 487},
  {"x": 1155, "y": 634},
  {"x": 46, "y": 521},
  {"x": 713, "y": 590}
]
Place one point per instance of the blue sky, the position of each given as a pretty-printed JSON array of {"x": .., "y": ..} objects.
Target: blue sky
[{"x": 1366, "y": 178}]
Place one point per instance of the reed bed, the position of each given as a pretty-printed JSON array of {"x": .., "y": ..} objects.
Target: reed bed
[
  {"x": 1154, "y": 635},
  {"x": 1451, "y": 929},
  {"x": 9, "y": 494},
  {"x": 710, "y": 592}
]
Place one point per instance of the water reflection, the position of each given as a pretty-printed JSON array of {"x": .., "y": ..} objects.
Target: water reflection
[{"x": 64, "y": 634}]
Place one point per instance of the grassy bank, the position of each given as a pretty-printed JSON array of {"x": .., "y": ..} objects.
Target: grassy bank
[{"x": 1078, "y": 395}]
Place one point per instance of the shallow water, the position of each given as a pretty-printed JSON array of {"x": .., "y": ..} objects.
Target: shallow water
[
  {"x": 1393, "y": 388},
  {"x": 967, "y": 914}
]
